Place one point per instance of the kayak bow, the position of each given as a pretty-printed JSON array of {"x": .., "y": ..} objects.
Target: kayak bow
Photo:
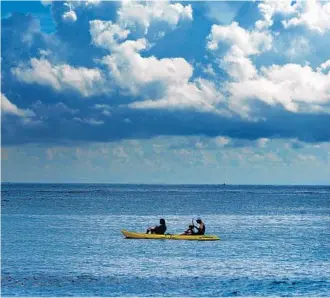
[{"x": 134, "y": 235}]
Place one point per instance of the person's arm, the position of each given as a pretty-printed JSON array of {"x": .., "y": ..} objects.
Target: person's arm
[{"x": 202, "y": 229}]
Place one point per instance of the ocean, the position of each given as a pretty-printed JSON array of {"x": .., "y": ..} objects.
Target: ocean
[{"x": 65, "y": 240}]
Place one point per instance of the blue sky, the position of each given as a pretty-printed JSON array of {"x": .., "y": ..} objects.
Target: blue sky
[{"x": 166, "y": 92}]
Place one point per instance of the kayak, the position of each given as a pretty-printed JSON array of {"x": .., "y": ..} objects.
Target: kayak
[{"x": 134, "y": 235}]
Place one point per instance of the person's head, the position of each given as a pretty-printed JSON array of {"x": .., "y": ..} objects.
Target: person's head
[
  {"x": 199, "y": 220},
  {"x": 162, "y": 221}
]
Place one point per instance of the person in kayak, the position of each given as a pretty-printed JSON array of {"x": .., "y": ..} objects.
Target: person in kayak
[
  {"x": 161, "y": 229},
  {"x": 189, "y": 231},
  {"x": 201, "y": 227}
]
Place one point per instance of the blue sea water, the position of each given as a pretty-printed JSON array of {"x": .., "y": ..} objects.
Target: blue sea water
[{"x": 65, "y": 240}]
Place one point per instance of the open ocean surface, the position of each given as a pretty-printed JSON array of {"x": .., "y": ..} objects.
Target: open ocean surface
[{"x": 65, "y": 240}]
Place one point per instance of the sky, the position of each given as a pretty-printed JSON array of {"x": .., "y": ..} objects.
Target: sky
[{"x": 165, "y": 92}]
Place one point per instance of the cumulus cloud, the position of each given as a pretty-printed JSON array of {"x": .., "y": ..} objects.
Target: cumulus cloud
[
  {"x": 133, "y": 73},
  {"x": 61, "y": 77},
  {"x": 69, "y": 8},
  {"x": 142, "y": 14},
  {"x": 238, "y": 87},
  {"x": 294, "y": 87},
  {"x": 248, "y": 42},
  {"x": 107, "y": 34},
  {"x": 237, "y": 65},
  {"x": 162, "y": 83},
  {"x": 201, "y": 95},
  {"x": 269, "y": 9},
  {"x": 313, "y": 14},
  {"x": 242, "y": 44},
  {"x": 8, "y": 108},
  {"x": 149, "y": 75}
]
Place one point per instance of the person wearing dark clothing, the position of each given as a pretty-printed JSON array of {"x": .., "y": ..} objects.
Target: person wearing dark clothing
[
  {"x": 189, "y": 231},
  {"x": 201, "y": 227},
  {"x": 161, "y": 229}
]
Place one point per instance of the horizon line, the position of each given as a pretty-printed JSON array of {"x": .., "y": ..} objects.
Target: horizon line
[{"x": 167, "y": 184}]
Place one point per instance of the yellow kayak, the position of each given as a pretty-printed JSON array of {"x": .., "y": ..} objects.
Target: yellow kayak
[{"x": 134, "y": 235}]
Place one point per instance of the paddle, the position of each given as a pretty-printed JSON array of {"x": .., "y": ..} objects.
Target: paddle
[{"x": 192, "y": 221}]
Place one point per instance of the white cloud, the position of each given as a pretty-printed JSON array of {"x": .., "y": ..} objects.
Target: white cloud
[
  {"x": 297, "y": 88},
  {"x": 237, "y": 65},
  {"x": 61, "y": 77},
  {"x": 107, "y": 34},
  {"x": 45, "y": 53},
  {"x": 11, "y": 109},
  {"x": 69, "y": 16},
  {"x": 141, "y": 14},
  {"x": 242, "y": 44},
  {"x": 200, "y": 95},
  {"x": 313, "y": 14},
  {"x": 325, "y": 67},
  {"x": 163, "y": 83},
  {"x": 270, "y": 8},
  {"x": 137, "y": 17},
  {"x": 92, "y": 2},
  {"x": 136, "y": 74},
  {"x": 248, "y": 42}
]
